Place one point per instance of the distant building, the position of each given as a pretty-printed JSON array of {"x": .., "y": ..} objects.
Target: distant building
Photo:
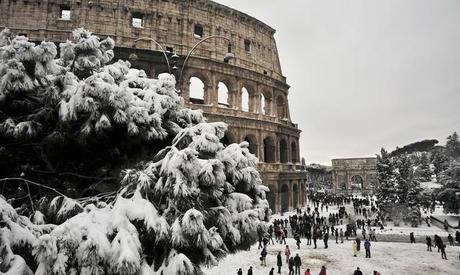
[{"x": 354, "y": 175}]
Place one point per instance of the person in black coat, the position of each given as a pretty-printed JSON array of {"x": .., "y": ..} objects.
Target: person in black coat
[
  {"x": 279, "y": 262},
  {"x": 325, "y": 239},
  {"x": 412, "y": 238},
  {"x": 291, "y": 266},
  {"x": 271, "y": 271},
  {"x": 357, "y": 272},
  {"x": 428, "y": 243},
  {"x": 250, "y": 270},
  {"x": 240, "y": 272},
  {"x": 297, "y": 263}
]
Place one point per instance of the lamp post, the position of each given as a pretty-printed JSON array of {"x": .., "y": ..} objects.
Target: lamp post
[
  {"x": 174, "y": 57},
  {"x": 228, "y": 56}
]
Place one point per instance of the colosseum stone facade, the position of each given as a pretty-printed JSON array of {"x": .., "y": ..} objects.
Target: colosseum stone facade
[{"x": 249, "y": 92}]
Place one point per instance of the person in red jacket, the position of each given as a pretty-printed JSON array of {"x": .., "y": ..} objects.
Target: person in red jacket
[
  {"x": 323, "y": 270},
  {"x": 307, "y": 272}
]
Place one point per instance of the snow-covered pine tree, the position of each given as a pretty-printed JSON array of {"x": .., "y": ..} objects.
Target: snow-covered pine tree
[
  {"x": 189, "y": 204},
  {"x": 423, "y": 171},
  {"x": 413, "y": 203},
  {"x": 449, "y": 195},
  {"x": 440, "y": 161},
  {"x": 403, "y": 176},
  {"x": 453, "y": 146},
  {"x": 386, "y": 190}
]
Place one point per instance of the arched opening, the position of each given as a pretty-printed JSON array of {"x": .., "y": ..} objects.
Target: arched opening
[
  {"x": 251, "y": 139},
  {"x": 283, "y": 151},
  {"x": 244, "y": 99},
  {"x": 269, "y": 150},
  {"x": 356, "y": 182},
  {"x": 294, "y": 156},
  {"x": 222, "y": 95},
  {"x": 280, "y": 107},
  {"x": 284, "y": 198},
  {"x": 262, "y": 104},
  {"x": 271, "y": 198},
  {"x": 295, "y": 195},
  {"x": 196, "y": 90},
  {"x": 228, "y": 139}
]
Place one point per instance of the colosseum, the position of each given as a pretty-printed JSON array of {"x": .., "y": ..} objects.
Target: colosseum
[{"x": 248, "y": 92}]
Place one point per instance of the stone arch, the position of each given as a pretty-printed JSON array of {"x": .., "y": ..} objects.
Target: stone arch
[
  {"x": 228, "y": 138},
  {"x": 244, "y": 99},
  {"x": 268, "y": 101},
  {"x": 281, "y": 106},
  {"x": 271, "y": 197},
  {"x": 283, "y": 148},
  {"x": 269, "y": 149},
  {"x": 197, "y": 80},
  {"x": 284, "y": 196},
  {"x": 294, "y": 155},
  {"x": 223, "y": 95},
  {"x": 253, "y": 144},
  {"x": 295, "y": 196},
  {"x": 356, "y": 183},
  {"x": 197, "y": 90}
]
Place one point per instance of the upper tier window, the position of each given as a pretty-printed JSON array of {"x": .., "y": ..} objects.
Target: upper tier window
[
  {"x": 65, "y": 12},
  {"x": 247, "y": 45},
  {"x": 198, "y": 31},
  {"x": 138, "y": 20}
]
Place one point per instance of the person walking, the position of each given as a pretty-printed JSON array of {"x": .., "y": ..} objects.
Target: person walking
[
  {"x": 451, "y": 240},
  {"x": 428, "y": 243},
  {"x": 325, "y": 239},
  {"x": 341, "y": 235},
  {"x": 250, "y": 271},
  {"x": 287, "y": 253},
  {"x": 291, "y": 266},
  {"x": 443, "y": 252},
  {"x": 323, "y": 270},
  {"x": 297, "y": 263},
  {"x": 354, "y": 248},
  {"x": 263, "y": 256},
  {"x": 412, "y": 238},
  {"x": 367, "y": 247},
  {"x": 357, "y": 272},
  {"x": 271, "y": 271},
  {"x": 336, "y": 235},
  {"x": 307, "y": 272},
  {"x": 279, "y": 262},
  {"x": 358, "y": 244},
  {"x": 240, "y": 272}
]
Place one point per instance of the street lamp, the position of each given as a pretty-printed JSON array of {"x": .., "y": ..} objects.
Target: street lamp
[
  {"x": 228, "y": 56},
  {"x": 174, "y": 57}
]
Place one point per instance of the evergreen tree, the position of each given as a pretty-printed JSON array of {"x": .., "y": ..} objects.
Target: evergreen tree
[
  {"x": 423, "y": 171},
  {"x": 189, "y": 202},
  {"x": 413, "y": 203},
  {"x": 403, "y": 177},
  {"x": 450, "y": 193},
  {"x": 386, "y": 191},
  {"x": 440, "y": 161},
  {"x": 453, "y": 146}
]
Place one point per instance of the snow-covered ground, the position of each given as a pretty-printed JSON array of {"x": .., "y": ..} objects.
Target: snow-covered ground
[{"x": 387, "y": 258}]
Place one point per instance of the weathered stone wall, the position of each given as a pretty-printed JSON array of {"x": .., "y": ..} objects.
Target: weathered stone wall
[{"x": 266, "y": 124}]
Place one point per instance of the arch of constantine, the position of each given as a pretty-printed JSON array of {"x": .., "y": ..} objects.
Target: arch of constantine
[
  {"x": 354, "y": 175},
  {"x": 248, "y": 92}
]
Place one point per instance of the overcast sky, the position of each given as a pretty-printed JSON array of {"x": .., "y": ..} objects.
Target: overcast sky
[{"x": 366, "y": 74}]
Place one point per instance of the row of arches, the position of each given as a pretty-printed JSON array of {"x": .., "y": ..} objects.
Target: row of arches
[
  {"x": 245, "y": 99},
  {"x": 270, "y": 149},
  {"x": 290, "y": 195}
]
